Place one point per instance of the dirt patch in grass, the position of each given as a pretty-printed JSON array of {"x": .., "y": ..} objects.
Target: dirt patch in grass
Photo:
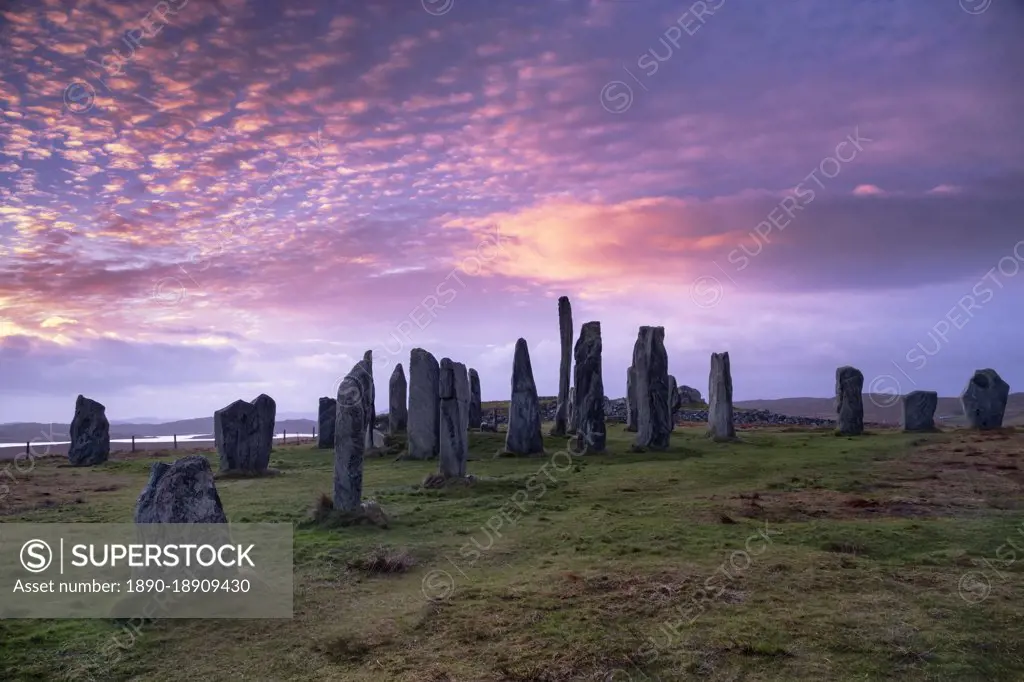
[
  {"x": 58, "y": 486},
  {"x": 955, "y": 474}
]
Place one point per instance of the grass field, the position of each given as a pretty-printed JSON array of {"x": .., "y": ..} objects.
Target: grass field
[{"x": 791, "y": 555}]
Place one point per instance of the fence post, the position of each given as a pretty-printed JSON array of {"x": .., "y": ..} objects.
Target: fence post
[
  {"x": 27, "y": 445},
  {"x": 284, "y": 436},
  {"x": 133, "y": 443},
  {"x": 175, "y": 441}
]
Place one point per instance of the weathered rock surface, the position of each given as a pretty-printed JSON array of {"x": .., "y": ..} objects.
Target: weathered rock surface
[
  {"x": 564, "y": 366},
  {"x": 984, "y": 400},
  {"x": 689, "y": 396},
  {"x": 398, "y": 413},
  {"x": 182, "y": 492},
  {"x": 919, "y": 410},
  {"x": 524, "y": 435},
  {"x": 266, "y": 416},
  {"x": 673, "y": 401},
  {"x": 424, "y": 405},
  {"x": 371, "y": 398},
  {"x": 89, "y": 433},
  {"x": 720, "y": 421},
  {"x": 850, "y": 401},
  {"x": 588, "y": 396},
  {"x": 631, "y": 399},
  {"x": 327, "y": 414},
  {"x": 570, "y": 427},
  {"x": 651, "y": 387},
  {"x": 476, "y": 413},
  {"x": 241, "y": 444},
  {"x": 454, "y": 405},
  {"x": 350, "y": 437}
]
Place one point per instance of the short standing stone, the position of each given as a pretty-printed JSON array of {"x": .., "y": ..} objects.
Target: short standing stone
[
  {"x": 266, "y": 418},
  {"x": 651, "y": 389},
  {"x": 919, "y": 410},
  {"x": 850, "y": 401},
  {"x": 182, "y": 492},
  {"x": 350, "y": 440},
  {"x": 673, "y": 401},
  {"x": 476, "y": 413},
  {"x": 588, "y": 394},
  {"x": 720, "y": 421},
  {"x": 398, "y": 413},
  {"x": 90, "y": 434},
  {"x": 689, "y": 396},
  {"x": 564, "y": 366},
  {"x": 631, "y": 398},
  {"x": 236, "y": 433},
  {"x": 524, "y": 435},
  {"x": 454, "y": 434},
  {"x": 984, "y": 399},
  {"x": 326, "y": 417},
  {"x": 424, "y": 405}
]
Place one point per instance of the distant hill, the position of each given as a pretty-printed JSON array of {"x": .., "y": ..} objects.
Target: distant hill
[{"x": 889, "y": 412}]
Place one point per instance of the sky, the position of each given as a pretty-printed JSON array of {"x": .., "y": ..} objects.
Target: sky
[{"x": 205, "y": 201}]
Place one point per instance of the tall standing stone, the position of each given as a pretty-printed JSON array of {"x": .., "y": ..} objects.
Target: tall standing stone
[
  {"x": 588, "y": 391},
  {"x": 570, "y": 427},
  {"x": 398, "y": 413},
  {"x": 476, "y": 413},
  {"x": 326, "y": 416},
  {"x": 919, "y": 410},
  {"x": 454, "y": 435},
  {"x": 464, "y": 394},
  {"x": 850, "y": 400},
  {"x": 238, "y": 437},
  {"x": 371, "y": 399},
  {"x": 266, "y": 417},
  {"x": 720, "y": 422},
  {"x": 90, "y": 434},
  {"x": 631, "y": 398},
  {"x": 424, "y": 405},
  {"x": 564, "y": 367},
  {"x": 984, "y": 400},
  {"x": 673, "y": 401},
  {"x": 651, "y": 389},
  {"x": 350, "y": 439},
  {"x": 524, "y": 435}
]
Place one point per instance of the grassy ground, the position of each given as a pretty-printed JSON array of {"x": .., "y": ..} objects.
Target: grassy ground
[{"x": 792, "y": 555}]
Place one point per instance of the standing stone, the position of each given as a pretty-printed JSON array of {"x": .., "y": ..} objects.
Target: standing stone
[
  {"x": 327, "y": 415},
  {"x": 239, "y": 439},
  {"x": 424, "y": 405},
  {"x": 463, "y": 394},
  {"x": 850, "y": 400},
  {"x": 984, "y": 400},
  {"x": 720, "y": 423},
  {"x": 570, "y": 427},
  {"x": 476, "y": 413},
  {"x": 371, "y": 398},
  {"x": 90, "y": 434},
  {"x": 266, "y": 417},
  {"x": 524, "y": 435},
  {"x": 588, "y": 391},
  {"x": 182, "y": 492},
  {"x": 631, "y": 399},
  {"x": 689, "y": 396},
  {"x": 919, "y": 410},
  {"x": 454, "y": 435},
  {"x": 651, "y": 389},
  {"x": 398, "y": 413},
  {"x": 564, "y": 367},
  {"x": 673, "y": 401},
  {"x": 350, "y": 438}
]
